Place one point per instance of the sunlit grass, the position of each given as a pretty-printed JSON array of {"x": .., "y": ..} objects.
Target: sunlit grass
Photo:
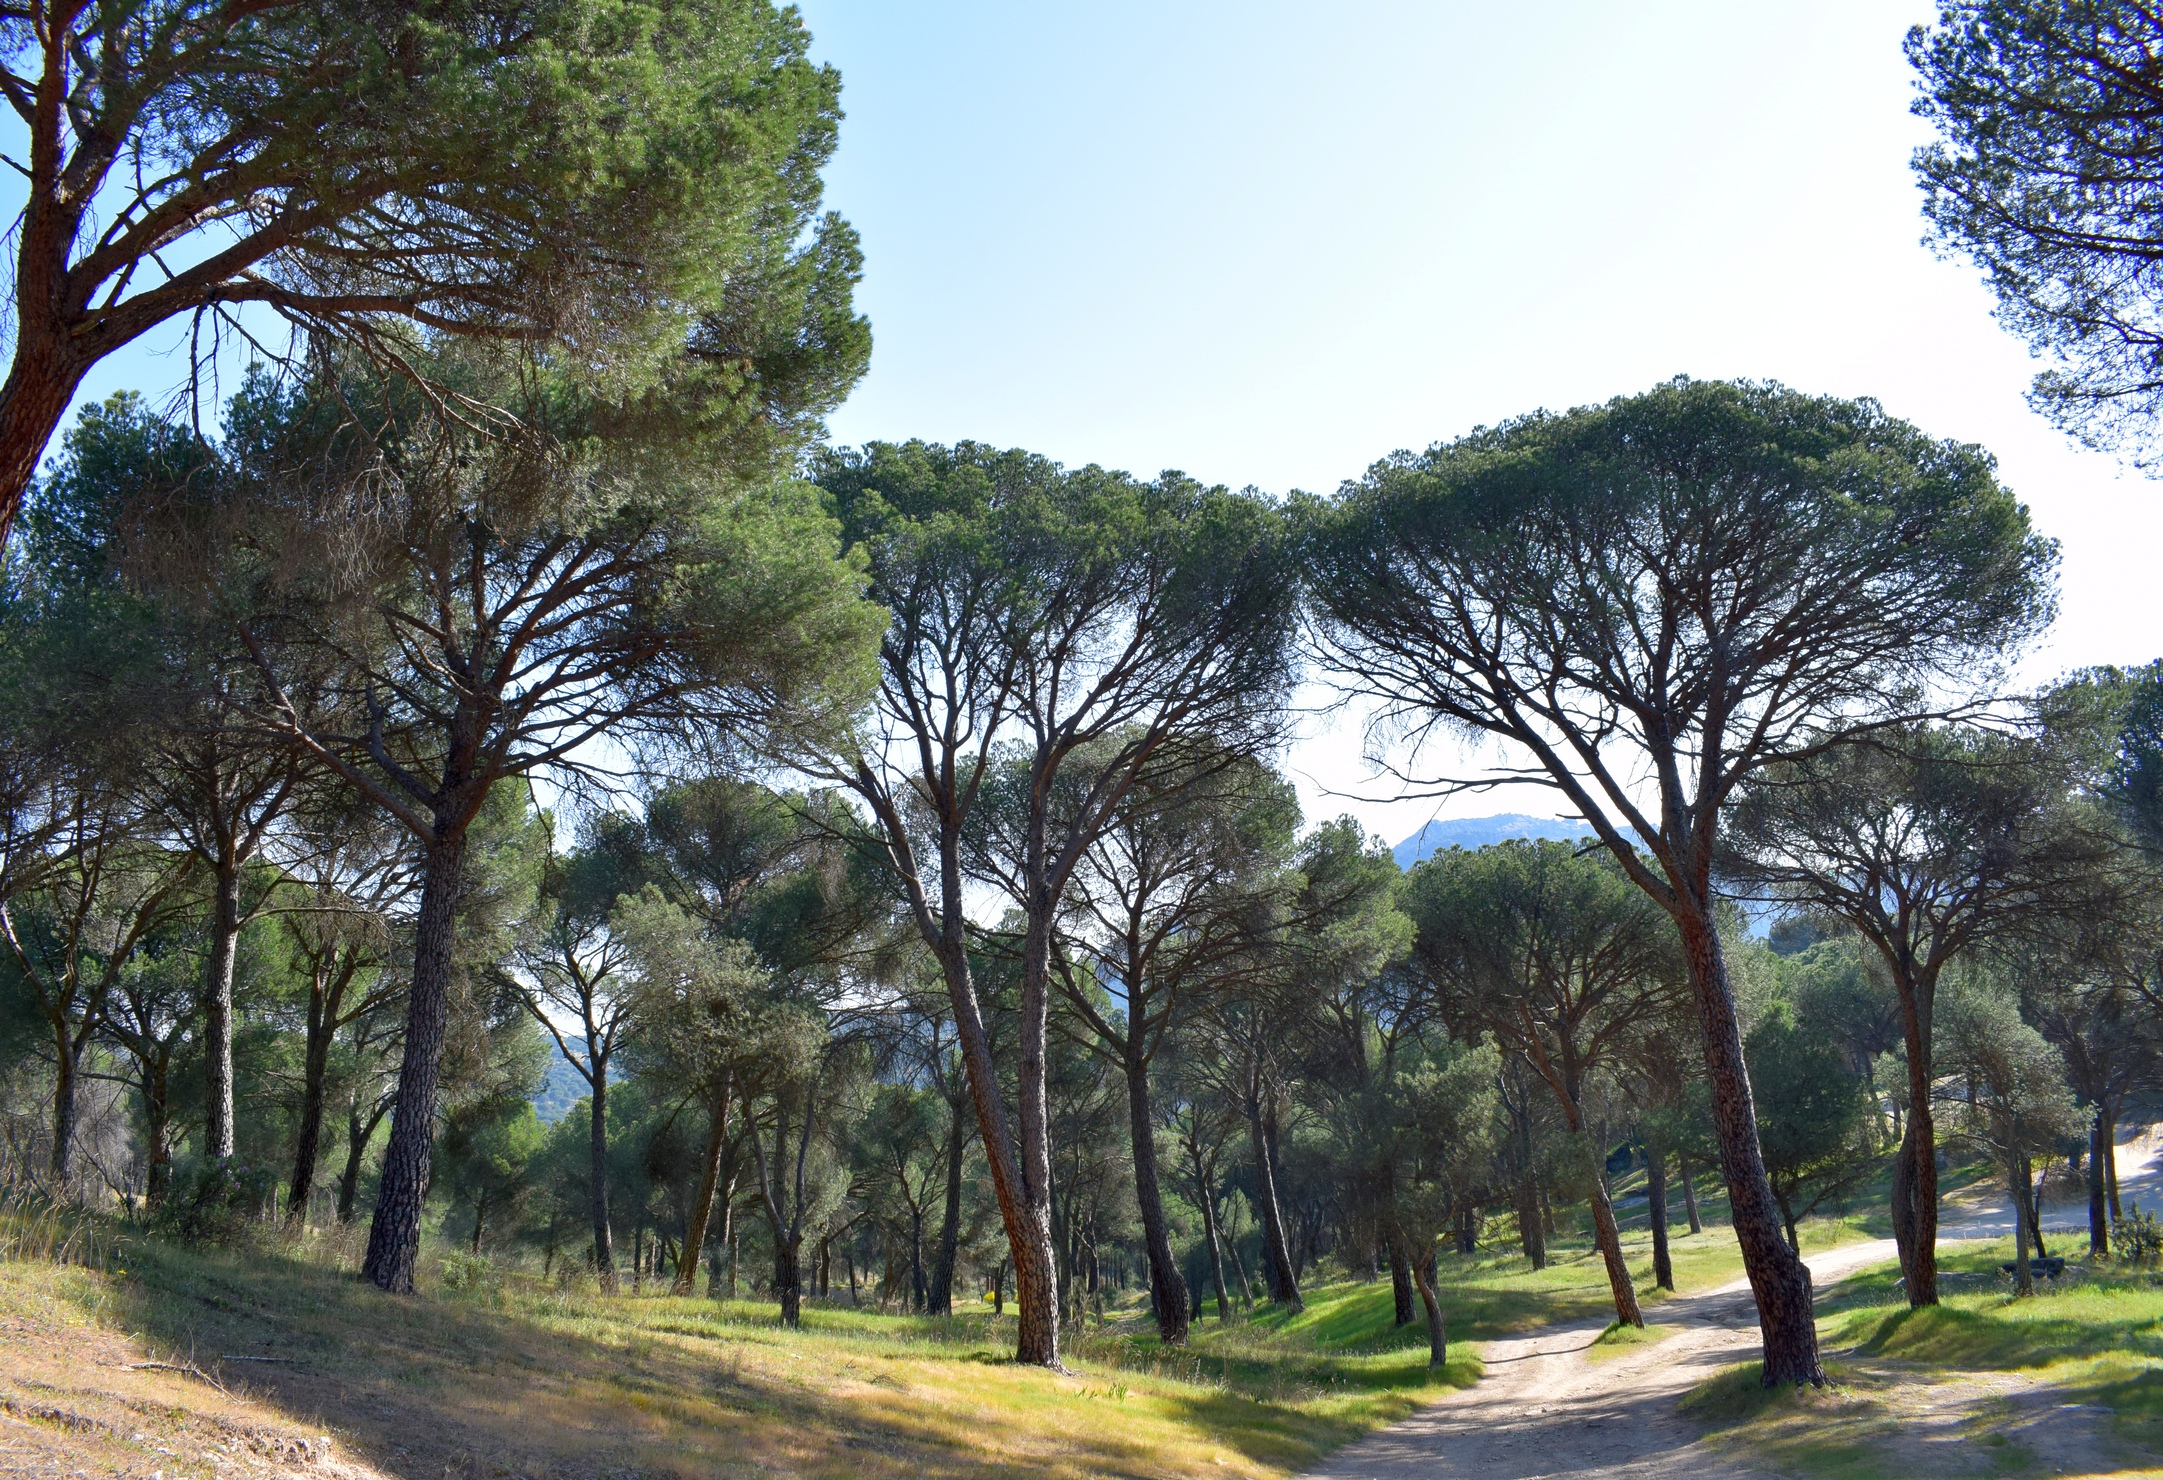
[
  {"x": 1498, "y": 1293},
  {"x": 2094, "y": 1337},
  {"x": 518, "y": 1374},
  {"x": 1618, "y": 1339},
  {"x": 528, "y": 1375}
]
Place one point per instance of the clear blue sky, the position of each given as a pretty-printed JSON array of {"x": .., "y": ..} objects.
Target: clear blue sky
[{"x": 1269, "y": 243}]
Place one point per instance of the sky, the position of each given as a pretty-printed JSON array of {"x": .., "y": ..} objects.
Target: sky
[{"x": 1267, "y": 244}]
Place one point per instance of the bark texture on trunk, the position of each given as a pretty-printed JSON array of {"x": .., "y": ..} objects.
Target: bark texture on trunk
[
  {"x": 2098, "y": 1225},
  {"x": 1035, "y": 1256},
  {"x": 2110, "y": 1166},
  {"x": 2016, "y": 1177},
  {"x": 1663, "y": 1264},
  {"x": 1778, "y": 1278},
  {"x": 1610, "y": 1241},
  {"x": 1400, "y": 1286},
  {"x": 709, "y": 1182},
  {"x": 2032, "y": 1191},
  {"x": 394, "y": 1236},
  {"x": 359, "y": 1132},
  {"x": 158, "y": 1133},
  {"x": 40, "y": 384},
  {"x": 65, "y": 1069},
  {"x": 1213, "y": 1238},
  {"x": 942, "y": 1268},
  {"x": 604, "y": 1238},
  {"x": 218, "y": 1009},
  {"x": 1276, "y": 1250},
  {"x": 315, "y": 1068},
  {"x": 789, "y": 1280},
  {"x": 1166, "y": 1283},
  {"x": 1915, "y": 1209},
  {"x": 1438, "y": 1350},
  {"x": 1530, "y": 1232}
]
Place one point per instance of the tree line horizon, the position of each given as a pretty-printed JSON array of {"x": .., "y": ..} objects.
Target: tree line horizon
[{"x": 542, "y": 476}]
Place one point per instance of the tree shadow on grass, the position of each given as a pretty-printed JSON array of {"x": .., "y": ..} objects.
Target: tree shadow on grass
[{"x": 520, "y": 1384}]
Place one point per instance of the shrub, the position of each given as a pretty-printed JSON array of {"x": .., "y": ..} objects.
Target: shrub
[
  {"x": 463, "y": 1271},
  {"x": 2137, "y": 1237},
  {"x": 223, "y": 1202}
]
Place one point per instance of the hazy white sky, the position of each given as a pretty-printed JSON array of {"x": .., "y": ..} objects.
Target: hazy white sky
[{"x": 1269, "y": 243}]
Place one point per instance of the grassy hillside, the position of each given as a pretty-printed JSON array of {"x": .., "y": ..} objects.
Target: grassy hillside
[{"x": 512, "y": 1374}]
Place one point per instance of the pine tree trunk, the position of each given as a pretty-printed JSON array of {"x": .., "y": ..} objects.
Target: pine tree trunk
[
  {"x": 66, "y": 1067},
  {"x": 2110, "y": 1163},
  {"x": 1213, "y": 1237},
  {"x": 1400, "y": 1286},
  {"x": 2016, "y": 1183},
  {"x": 394, "y": 1236},
  {"x": 1437, "y": 1337},
  {"x": 41, "y": 380},
  {"x": 359, "y": 1133},
  {"x": 158, "y": 1134},
  {"x": 1915, "y": 1170},
  {"x": 218, "y": 1009},
  {"x": 1689, "y": 1191},
  {"x": 1530, "y": 1232},
  {"x": 788, "y": 1279},
  {"x": 1166, "y": 1284},
  {"x": 1610, "y": 1241},
  {"x": 1778, "y": 1278},
  {"x": 1239, "y": 1268},
  {"x": 2034, "y": 1193},
  {"x": 721, "y": 1286},
  {"x": 1035, "y": 1260},
  {"x": 604, "y": 1235},
  {"x": 2098, "y": 1225},
  {"x": 694, "y": 1234},
  {"x": 942, "y": 1269},
  {"x": 1283, "y": 1283},
  {"x": 1663, "y": 1265},
  {"x": 315, "y": 1069}
]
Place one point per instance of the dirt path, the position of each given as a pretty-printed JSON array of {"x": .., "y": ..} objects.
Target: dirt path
[{"x": 1545, "y": 1410}]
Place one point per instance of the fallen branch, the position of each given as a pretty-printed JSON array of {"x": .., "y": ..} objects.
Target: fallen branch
[{"x": 191, "y": 1371}]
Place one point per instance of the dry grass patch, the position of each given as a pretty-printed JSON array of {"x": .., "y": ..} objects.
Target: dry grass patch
[{"x": 516, "y": 1377}]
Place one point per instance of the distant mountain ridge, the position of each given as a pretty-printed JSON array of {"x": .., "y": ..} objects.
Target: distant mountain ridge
[
  {"x": 1478, "y": 832},
  {"x": 561, "y": 1087}
]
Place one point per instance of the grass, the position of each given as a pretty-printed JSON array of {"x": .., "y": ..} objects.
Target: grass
[
  {"x": 1981, "y": 1366},
  {"x": 1618, "y": 1338},
  {"x": 519, "y": 1376},
  {"x": 1498, "y": 1293},
  {"x": 516, "y": 1374}
]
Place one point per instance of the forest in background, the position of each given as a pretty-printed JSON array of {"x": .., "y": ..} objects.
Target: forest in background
[{"x": 890, "y": 837}]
